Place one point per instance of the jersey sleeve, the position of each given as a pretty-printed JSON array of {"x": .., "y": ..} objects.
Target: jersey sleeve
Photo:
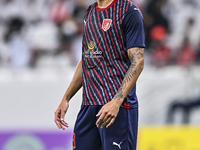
[{"x": 133, "y": 28}]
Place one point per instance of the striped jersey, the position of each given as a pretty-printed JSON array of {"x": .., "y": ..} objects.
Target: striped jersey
[{"x": 107, "y": 35}]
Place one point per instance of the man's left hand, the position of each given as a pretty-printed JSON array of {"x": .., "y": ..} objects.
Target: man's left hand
[{"x": 108, "y": 114}]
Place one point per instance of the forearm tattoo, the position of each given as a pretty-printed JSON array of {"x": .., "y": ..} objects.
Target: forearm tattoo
[{"x": 134, "y": 55}]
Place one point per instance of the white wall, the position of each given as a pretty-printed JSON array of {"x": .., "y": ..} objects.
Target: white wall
[
  {"x": 30, "y": 103},
  {"x": 29, "y": 99}
]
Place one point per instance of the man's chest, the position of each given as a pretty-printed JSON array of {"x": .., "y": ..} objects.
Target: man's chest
[{"x": 100, "y": 24}]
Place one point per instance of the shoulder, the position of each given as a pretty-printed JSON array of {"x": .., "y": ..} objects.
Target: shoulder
[
  {"x": 133, "y": 10},
  {"x": 91, "y": 6},
  {"x": 89, "y": 9},
  {"x": 133, "y": 15}
]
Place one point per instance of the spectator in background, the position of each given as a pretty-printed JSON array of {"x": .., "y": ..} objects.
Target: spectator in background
[
  {"x": 187, "y": 56},
  {"x": 60, "y": 13},
  {"x": 160, "y": 53},
  {"x": 154, "y": 16},
  {"x": 14, "y": 44},
  {"x": 79, "y": 11},
  {"x": 54, "y": 26},
  {"x": 183, "y": 11},
  {"x": 76, "y": 46},
  {"x": 19, "y": 48},
  {"x": 179, "y": 23}
]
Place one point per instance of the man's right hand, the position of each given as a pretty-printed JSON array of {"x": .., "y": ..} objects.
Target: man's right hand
[
  {"x": 74, "y": 86},
  {"x": 60, "y": 114}
]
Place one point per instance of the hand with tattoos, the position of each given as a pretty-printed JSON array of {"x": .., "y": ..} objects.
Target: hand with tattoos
[{"x": 109, "y": 111}]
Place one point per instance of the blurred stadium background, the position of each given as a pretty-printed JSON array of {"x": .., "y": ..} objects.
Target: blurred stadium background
[{"x": 40, "y": 45}]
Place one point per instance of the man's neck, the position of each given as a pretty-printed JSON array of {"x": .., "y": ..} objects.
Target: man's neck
[{"x": 104, "y": 3}]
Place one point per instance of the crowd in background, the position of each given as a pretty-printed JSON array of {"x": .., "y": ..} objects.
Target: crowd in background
[{"x": 30, "y": 29}]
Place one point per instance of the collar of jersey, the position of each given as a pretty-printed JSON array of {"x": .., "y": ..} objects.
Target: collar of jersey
[{"x": 102, "y": 9}]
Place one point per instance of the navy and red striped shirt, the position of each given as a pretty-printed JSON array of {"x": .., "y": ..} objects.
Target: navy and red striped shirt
[{"x": 107, "y": 35}]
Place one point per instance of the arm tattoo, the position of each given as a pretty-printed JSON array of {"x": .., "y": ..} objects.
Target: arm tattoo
[
  {"x": 134, "y": 55},
  {"x": 119, "y": 94}
]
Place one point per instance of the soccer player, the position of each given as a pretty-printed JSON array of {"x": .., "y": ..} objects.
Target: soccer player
[{"x": 112, "y": 60}]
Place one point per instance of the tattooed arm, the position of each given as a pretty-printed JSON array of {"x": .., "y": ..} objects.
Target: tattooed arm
[
  {"x": 109, "y": 112},
  {"x": 136, "y": 56}
]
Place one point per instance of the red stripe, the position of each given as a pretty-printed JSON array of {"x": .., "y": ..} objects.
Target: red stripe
[
  {"x": 119, "y": 41},
  {"x": 93, "y": 82},
  {"x": 127, "y": 6},
  {"x": 88, "y": 10},
  {"x": 86, "y": 75},
  {"x": 108, "y": 52},
  {"x": 96, "y": 88},
  {"x": 84, "y": 94},
  {"x": 127, "y": 106},
  {"x": 103, "y": 71},
  {"x": 103, "y": 86},
  {"x": 94, "y": 71},
  {"x": 103, "y": 54},
  {"x": 120, "y": 16},
  {"x": 119, "y": 38},
  {"x": 101, "y": 65},
  {"x": 88, "y": 86},
  {"x": 85, "y": 97},
  {"x": 114, "y": 13},
  {"x": 115, "y": 25},
  {"x": 122, "y": 30},
  {"x": 85, "y": 40},
  {"x": 115, "y": 51}
]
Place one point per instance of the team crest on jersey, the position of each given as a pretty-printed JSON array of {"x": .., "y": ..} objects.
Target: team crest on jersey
[
  {"x": 91, "y": 45},
  {"x": 106, "y": 24}
]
